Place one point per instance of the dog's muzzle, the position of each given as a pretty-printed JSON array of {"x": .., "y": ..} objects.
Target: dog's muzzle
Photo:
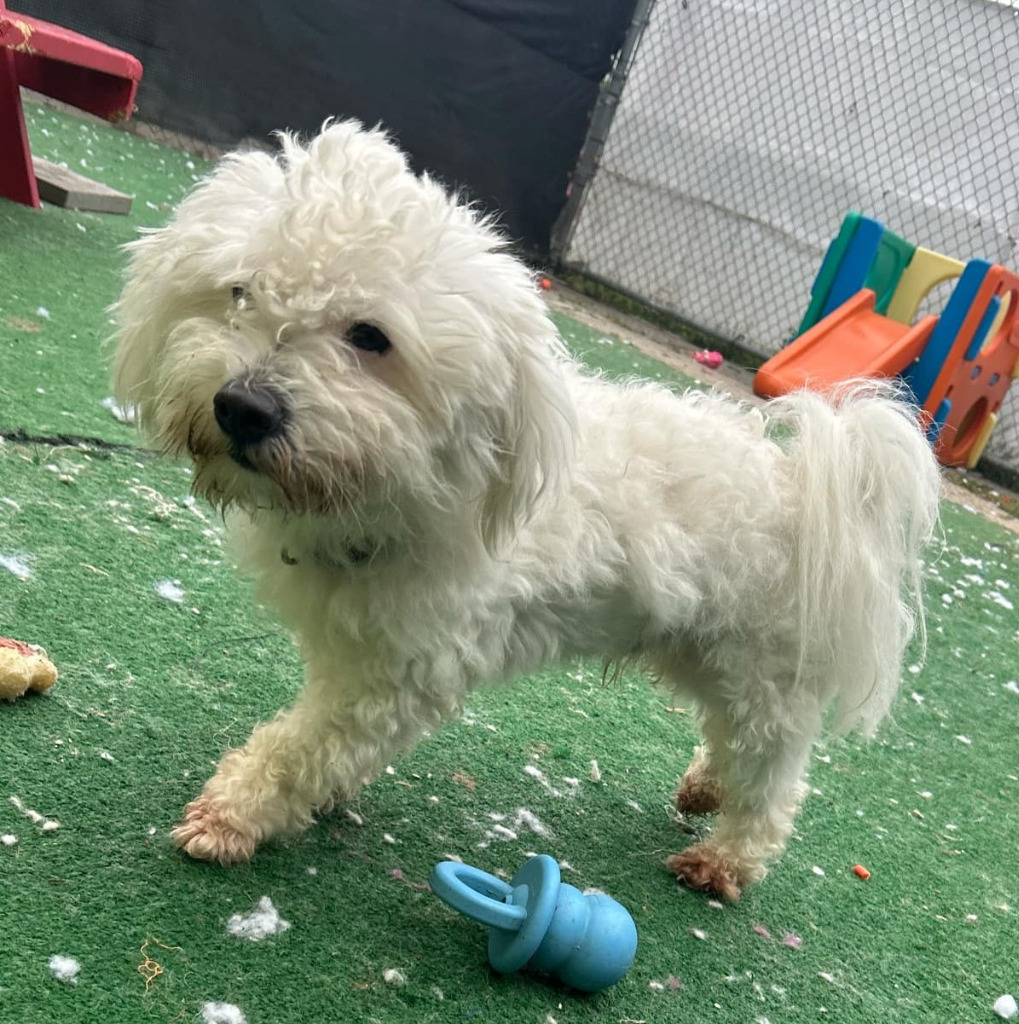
[{"x": 248, "y": 415}]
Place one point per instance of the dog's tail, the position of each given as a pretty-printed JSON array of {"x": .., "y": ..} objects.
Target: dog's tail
[{"x": 868, "y": 487}]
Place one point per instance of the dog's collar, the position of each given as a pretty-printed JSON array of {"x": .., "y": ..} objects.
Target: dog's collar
[{"x": 351, "y": 557}]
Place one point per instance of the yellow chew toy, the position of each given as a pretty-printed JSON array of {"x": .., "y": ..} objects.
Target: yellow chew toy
[{"x": 23, "y": 667}]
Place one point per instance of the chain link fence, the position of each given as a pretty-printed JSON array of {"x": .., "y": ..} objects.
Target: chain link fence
[{"x": 747, "y": 129}]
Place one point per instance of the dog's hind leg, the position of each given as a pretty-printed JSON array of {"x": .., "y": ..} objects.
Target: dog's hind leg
[{"x": 756, "y": 756}]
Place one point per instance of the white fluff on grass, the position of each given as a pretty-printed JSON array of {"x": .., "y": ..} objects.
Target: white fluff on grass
[
  {"x": 264, "y": 920},
  {"x": 222, "y": 1013},
  {"x": 1005, "y": 1006},
  {"x": 65, "y": 968},
  {"x": 170, "y": 590},
  {"x": 18, "y": 565},
  {"x": 125, "y": 413},
  {"x": 34, "y": 816}
]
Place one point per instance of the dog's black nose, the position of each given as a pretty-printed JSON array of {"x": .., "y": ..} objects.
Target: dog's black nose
[{"x": 248, "y": 415}]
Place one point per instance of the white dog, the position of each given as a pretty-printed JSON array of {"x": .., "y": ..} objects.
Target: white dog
[{"x": 433, "y": 496}]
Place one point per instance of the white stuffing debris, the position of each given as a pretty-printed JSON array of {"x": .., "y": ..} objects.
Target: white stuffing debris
[
  {"x": 394, "y": 977},
  {"x": 528, "y": 819},
  {"x": 1005, "y": 1007},
  {"x": 121, "y": 413},
  {"x": 170, "y": 590},
  {"x": 536, "y": 773},
  {"x": 1012, "y": 686},
  {"x": 222, "y": 1013},
  {"x": 16, "y": 565},
  {"x": 65, "y": 968},
  {"x": 264, "y": 920},
  {"x": 35, "y": 817},
  {"x": 595, "y": 771},
  {"x": 523, "y": 821},
  {"x": 8, "y": 840}
]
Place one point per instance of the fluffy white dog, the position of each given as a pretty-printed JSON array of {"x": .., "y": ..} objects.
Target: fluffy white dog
[{"x": 434, "y": 496}]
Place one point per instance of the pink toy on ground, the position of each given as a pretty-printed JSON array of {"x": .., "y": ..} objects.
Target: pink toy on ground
[{"x": 711, "y": 359}]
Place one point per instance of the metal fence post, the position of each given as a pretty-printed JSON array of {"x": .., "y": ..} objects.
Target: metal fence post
[{"x": 598, "y": 132}]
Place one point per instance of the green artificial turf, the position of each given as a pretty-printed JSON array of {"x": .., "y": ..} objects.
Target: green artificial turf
[{"x": 153, "y": 689}]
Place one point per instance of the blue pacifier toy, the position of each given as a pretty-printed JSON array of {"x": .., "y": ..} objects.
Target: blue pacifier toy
[{"x": 542, "y": 923}]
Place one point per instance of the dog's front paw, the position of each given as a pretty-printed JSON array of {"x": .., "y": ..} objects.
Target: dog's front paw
[
  {"x": 205, "y": 834},
  {"x": 702, "y": 868}
]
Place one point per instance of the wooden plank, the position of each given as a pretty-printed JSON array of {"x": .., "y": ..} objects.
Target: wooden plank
[{"x": 64, "y": 187}]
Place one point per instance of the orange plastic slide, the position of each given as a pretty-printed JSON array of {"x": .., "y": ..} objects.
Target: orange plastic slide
[{"x": 852, "y": 341}]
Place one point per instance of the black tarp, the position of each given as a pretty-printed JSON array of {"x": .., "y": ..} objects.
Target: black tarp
[{"x": 493, "y": 96}]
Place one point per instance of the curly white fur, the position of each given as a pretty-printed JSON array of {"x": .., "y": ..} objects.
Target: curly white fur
[{"x": 470, "y": 505}]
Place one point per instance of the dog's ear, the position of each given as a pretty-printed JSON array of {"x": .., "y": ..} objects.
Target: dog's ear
[
  {"x": 150, "y": 305},
  {"x": 534, "y": 445},
  {"x": 171, "y": 269}
]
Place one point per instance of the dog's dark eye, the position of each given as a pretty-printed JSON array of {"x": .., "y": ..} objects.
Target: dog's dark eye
[
  {"x": 241, "y": 296},
  {"x": 368, "y": 338}
]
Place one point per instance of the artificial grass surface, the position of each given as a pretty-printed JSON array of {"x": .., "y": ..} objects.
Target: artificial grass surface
[
  {"x": 59, "y": 269},
  {"x": 152, "y": 690}
]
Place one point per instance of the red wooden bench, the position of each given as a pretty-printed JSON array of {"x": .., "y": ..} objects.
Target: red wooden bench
[{"x": 64, "y": 65}]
